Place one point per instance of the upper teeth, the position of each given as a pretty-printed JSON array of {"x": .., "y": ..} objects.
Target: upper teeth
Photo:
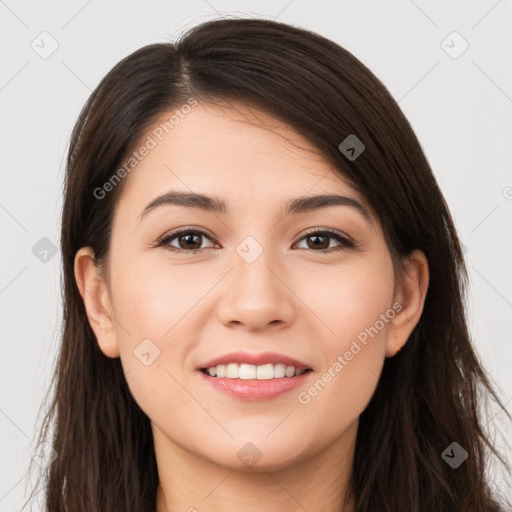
[{"x": 249, "y": 371}]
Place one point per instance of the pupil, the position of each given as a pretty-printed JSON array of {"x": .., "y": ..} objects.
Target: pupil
[
  {"x": 323, "y": 246},
  {"x": 187, "y": 237},
  {"x": 315, "y": 244}
]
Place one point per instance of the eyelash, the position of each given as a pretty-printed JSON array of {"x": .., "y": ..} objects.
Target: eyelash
[{"x": 345, "y": 243}]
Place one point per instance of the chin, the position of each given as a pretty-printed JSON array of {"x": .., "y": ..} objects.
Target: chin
[{"x": 258, "y": 455}]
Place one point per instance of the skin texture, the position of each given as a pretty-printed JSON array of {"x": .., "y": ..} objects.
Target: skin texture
[{"x": 293, "y": 299}]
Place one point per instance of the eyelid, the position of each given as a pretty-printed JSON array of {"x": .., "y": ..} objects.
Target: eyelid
[
  {"x": 330, "y": 231},
  {"x": 184, "y": 229},
  {"x": 344, "y": 240}
]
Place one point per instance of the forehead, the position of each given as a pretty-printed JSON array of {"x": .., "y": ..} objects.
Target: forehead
[{"x": 234, "y": 151}]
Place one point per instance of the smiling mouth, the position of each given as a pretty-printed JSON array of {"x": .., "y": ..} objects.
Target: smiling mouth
[{"x": 252, "y": 372}]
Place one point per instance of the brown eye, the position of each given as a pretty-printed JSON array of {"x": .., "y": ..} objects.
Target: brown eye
[
  {"x": 190, "y": 241},
  {"x": 187, "y": 240},
  {"x": 319, "y": 241}
]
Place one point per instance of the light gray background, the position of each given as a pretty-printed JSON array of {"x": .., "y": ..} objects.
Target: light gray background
[{"x": 459, "y": 107}]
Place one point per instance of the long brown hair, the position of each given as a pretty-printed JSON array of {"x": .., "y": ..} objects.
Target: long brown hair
[{"x": 429, "y": 395}]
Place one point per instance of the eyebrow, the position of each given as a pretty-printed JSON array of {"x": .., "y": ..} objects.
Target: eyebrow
[{"x": 213, "y": 204}]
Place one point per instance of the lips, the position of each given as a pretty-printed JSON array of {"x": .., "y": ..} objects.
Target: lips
[
  {"x": 255, "y": 360},
  {"x": 255, "y": 390}
]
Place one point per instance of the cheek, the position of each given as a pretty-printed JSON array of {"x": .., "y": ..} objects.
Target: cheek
[
  {"x": 356, "y": 306},
  {"x": 151, "y": 299},
  {"x": 154, "y": 308},
  {"x": 352, "y": 298}
]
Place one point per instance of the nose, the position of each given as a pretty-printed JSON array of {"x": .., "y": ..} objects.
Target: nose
[{"x": 256, "y": 295}]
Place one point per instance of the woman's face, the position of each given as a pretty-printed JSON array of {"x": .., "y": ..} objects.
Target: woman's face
[{"x": 263, "y": 281}]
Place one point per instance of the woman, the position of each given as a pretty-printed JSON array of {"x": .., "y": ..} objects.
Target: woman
[{"x": 314, "y": 354}]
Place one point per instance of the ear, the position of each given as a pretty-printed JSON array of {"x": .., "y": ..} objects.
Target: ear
[
  {"x": 410, "y": 292},
  {"x": 95, "y": 296}
]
